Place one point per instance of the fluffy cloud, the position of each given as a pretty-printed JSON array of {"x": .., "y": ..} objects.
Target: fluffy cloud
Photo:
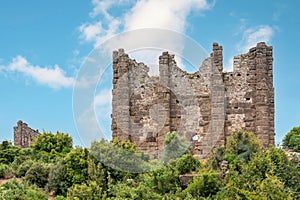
[
  {"x": 165, "y": 14},
  {"x": 104, "y": 97},
  {"x": 254, "y": 35},
  {"x": 250, "y": 37},
  {"x": 90, "y": 31},
  {"x": 53, "y": 77}
]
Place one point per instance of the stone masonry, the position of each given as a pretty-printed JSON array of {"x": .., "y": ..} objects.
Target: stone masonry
[
  {"x": 23, "y": 135},
  {"x": 204, "y": 106}
]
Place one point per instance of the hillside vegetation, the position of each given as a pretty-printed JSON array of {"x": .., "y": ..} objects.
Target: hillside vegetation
[{"x": 242, "y": 170}]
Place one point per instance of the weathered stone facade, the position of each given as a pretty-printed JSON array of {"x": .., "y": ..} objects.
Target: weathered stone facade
[
  {"x": 23, "y": 135},
  {"x": 205, "y": 106}
]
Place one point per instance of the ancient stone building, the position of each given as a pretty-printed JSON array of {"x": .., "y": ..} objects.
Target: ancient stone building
[
  {"x": 23, "y": 135},
  {"x": 204, "y": 106}
]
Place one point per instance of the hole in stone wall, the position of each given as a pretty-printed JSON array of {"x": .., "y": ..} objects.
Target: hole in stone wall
[
  {"x": 238, "y": 74},
  {"x": 129, "y": 138},
  {"x": 151, "y": 139},
  {"x": 235, "y": 107},
  {"x": 247, "y": 99}
]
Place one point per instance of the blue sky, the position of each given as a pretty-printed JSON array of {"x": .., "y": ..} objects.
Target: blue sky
[{"x": 43, "y": 43}]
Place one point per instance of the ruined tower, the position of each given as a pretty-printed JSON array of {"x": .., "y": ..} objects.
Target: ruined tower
[
  {"x": 24, "y": 135},
  {"x": 204, "y": 106}
]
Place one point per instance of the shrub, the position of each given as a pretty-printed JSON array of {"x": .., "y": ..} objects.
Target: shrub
[
  {"x": 187, "y": 163},
  {"x": 37, "y": 174},
  {"x": 57, "y": 180},
  {"x": 21, "y": 191},
  {"x": 243, "y": 144},
  {"x": 292, "y": 139},
  {"x": 59, "y": 198},
  {"x": 175, "y": 146},
  {"x": 3, "y": 169},
  {"x": 207, "y": 184},
  {"x": 23, "y": 168}
]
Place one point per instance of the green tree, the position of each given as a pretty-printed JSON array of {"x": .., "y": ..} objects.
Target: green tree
[
  {"x": 37, "y": 174},
  {"x": 187, "y": 163},
  {"x": 8, "y": 152},
  {"x": 255, "y": 180},
  {"x": 163, "y": 180},
  {"x": 3, "y": 170},
  {"x": 243, "y": 144},
  {"x": 23, "y": 168},
  {"x": 286, "y": 170},
  {"x": 134, "y": 191},
  {"x": 292, "y": 139},
  {"x": 120, "y": 158},
  {"x": 58, "y": 179},
  {"x": 49, "y": 147},
  {"x": 206, "y": 185},
  {"x": 21, "y": 191},
  {"x": 174, "y": 147},
  {"x": 87, "y": 191},
  {"x": 216, "y": 157},
  {"x": 76, "y": 163}
]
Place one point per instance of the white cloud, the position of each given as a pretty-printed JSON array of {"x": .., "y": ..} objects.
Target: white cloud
[
  {"x": 164, "y": 14},
  {"x": 101, "y": 7},
  {"x": 104, "y": 97},
  {"x": 90, "y": 31},
  {"x": 252, "y": 36},
  {"x": 54, "y": 77}
]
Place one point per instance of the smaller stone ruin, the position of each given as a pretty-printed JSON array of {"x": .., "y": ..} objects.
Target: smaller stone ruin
[{"x": 24, "y": 135}]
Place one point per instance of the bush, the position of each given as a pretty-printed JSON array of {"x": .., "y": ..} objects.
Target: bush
[
  {"x": 207, "y": 184},
  {"x": 243, "y": 144},
  {"x": 59, "y": 198},
  {"x": 23, "y": 168},
  {"x": 292, "y": 139},
  {"x": 3, "y": 169},
  {"x": 187, "y": 163},
  {"x": 21, "y": 191},
  {"x": 87, "y": 191},
  {"x": 163, "y": 180},
  {"x": 8, "y": 152},
  {"x": 57, "y": 180},
  {"x": 37, "y": 174},
  {"x": 134, "y": 191},
  {"x": 175, "y": 146}
]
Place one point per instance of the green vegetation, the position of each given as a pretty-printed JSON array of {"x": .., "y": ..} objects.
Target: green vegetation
[
  {"x": 292, "y": 139},
  {"x": 52, "y": 165}
]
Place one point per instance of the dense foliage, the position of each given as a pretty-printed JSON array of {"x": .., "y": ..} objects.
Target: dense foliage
[
  {"x": 241, "y": 170},
  {"x": 292, "y": 139}
]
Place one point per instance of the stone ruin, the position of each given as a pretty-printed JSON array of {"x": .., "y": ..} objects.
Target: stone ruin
[
  {"x": 24, "y": 135},
  {"x": 204, "y": 106}
]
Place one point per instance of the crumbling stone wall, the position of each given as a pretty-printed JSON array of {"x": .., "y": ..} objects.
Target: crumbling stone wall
[
  {"x": 23, "y": 135},
  {"x": 204, "y": 106}
]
